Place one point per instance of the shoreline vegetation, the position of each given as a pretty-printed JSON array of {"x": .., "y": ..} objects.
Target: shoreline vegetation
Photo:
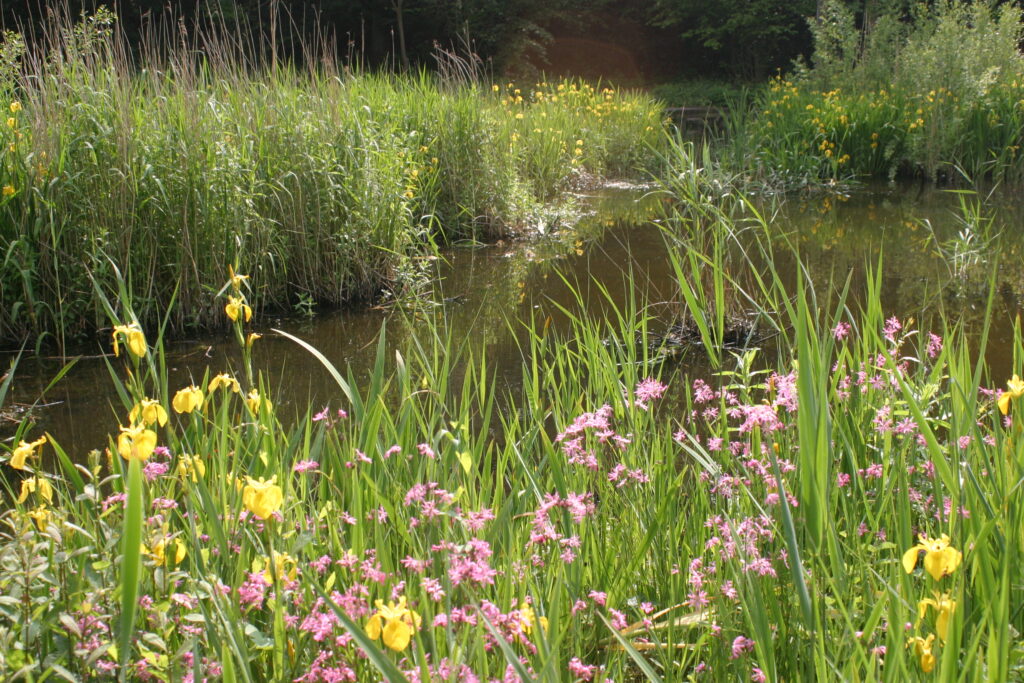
[
  {"x": 938, "y": 93},
  {"x": 327, "y": 184},
  {"x": 850, "y": 508}
]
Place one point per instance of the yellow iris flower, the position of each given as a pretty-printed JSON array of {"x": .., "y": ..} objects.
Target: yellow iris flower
[
  {"x": 224, "y": 380},
  {"x": 190, "y": 466},
  {"x": 1015, "y": 388},
  {"x": 940, "y": 558},
  {"x": 15, "y": 107},
  {"x": 41, "y": 516},
  {"x": 923, "y": 651},
  {"x": 236, "y": 279},
  {"x": 133, "y": 336},
  {"x": 159, "y": 551},
  {"x": 254, "y": 401},
  {"x": 262, "y": 498},
  {"x": 188, "y": 399},
  {"x": 236, "y": 306},
  {"x": 149, "y": 411},
  {"x": 24, "y": 451},
  {"x": 396, "y": 623},
  {"x": 283, "y": 567},
  {"x": 36, "y": 485},
  {"x": 527, "y": 618},
  {"x": 945, "y": 606},
  {"x": 136, "y": 442}
]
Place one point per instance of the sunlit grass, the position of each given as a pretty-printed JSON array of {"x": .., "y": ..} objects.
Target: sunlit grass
[{"x": 324, "y": 183}]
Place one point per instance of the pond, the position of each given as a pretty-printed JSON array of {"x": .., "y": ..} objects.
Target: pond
[{"x": 933, "y": 261}]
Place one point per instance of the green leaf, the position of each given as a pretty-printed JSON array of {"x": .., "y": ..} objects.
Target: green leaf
[
  {"x": 131, "y": 560},
  {"x": 637, "y": 658},
  {"x": 466, "y": 460}
]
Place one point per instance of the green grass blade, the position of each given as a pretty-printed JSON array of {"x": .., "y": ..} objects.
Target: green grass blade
[{"x": 637, "y": 658}]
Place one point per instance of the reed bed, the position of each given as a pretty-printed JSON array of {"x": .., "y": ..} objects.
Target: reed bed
[{"x": 324, "y": 183}]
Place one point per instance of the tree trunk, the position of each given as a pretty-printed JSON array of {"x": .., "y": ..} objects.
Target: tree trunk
[{"x": 397, "y": 5}]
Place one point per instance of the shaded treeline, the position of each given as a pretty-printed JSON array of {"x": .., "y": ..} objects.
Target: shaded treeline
[{"x": 627, "y": 40}]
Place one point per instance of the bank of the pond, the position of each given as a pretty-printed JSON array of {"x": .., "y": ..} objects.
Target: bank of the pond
[
  {"x": 324, "y": 185},
  {"x": 935, "y": 92}
]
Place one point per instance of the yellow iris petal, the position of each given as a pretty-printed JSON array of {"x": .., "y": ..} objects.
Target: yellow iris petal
[
  {"x": 397, "y": 635},
  {"x": 910, "y": 558},
  {"x": 396, "y": 623},
  {"x": 373, "y": 628},
  {"x": 940, "y": 558},
  {"x": 236, "y": 306},
  {"x": 942, "y": 562},
  {"x": 41, "y": 516},
  {"x": 224, "y": 380},
  {"x": 27, "y": 486},
  {"x": 187, "y": 399},
  {"x": 255, "y": 402},
  {"x": 136, "y": 442},
  {"x": 148, "y": 411},
  {"x": 134, "y": 337},
  {"x": 262, "y": 498}
]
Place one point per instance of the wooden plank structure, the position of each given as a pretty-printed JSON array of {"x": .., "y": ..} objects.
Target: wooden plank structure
[{"x": 696, "y": 120}]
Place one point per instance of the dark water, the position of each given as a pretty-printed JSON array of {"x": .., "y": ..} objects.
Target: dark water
[{"x": 933, "y": 262}]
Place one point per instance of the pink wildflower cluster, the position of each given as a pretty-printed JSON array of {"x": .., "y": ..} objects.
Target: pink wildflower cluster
[
  {"x": 443, "y": 671},
  {"x": 758, "y": 415},
  {"x": 841, "y": 330},
  {"x": 545, "y": 532},
  {"x": 747, "y": 538},
  {"x": 597, "y": 423},
  {"x": 646, "y": 391},
  {"x": 328, "y": 419},
  {"x": 468, "y": 563},
  {"x": 92, "y": 634},
  {"x": 785, "y": 391},
  {"x": 581, "y": 671},
  {"x": 429, "y": 501},
  {"x": 326, "y": 668}
]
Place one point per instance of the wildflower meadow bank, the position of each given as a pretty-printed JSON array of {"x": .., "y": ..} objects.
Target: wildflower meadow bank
[{"x": 927, "y": 89}]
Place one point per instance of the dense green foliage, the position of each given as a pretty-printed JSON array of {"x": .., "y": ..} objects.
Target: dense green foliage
[
  {"x": 324, "y": 185},
  {"x": 940, "y": 95}
]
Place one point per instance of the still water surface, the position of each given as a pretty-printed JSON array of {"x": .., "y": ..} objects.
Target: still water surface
[{"x": 932, "y": 262}]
